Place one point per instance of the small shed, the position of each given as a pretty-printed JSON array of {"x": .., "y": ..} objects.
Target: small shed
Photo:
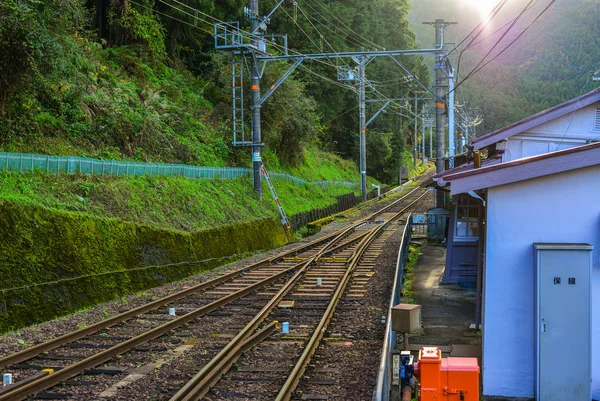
[{"x": 552, "y": 198}]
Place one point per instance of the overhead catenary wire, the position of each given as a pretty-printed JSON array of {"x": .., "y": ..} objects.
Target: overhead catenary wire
[
  {"x": 348, "y": 37},
  {"x": 346, "y": 26},
  {"x": 480, "y": 27},
  {"x": 513, "y": 23},
  {"x": 476, "y": 70},
  {"x": 195, "y": 16}
]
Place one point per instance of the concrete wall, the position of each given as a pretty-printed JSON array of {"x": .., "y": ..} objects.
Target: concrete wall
[
  {"x": 573, "y": 129},
  {"x": 559, "y": 208}
]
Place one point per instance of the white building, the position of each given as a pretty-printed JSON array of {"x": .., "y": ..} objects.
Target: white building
[{"x": 540, "y": 184}]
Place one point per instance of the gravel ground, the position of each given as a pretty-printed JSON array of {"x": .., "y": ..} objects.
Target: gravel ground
[
  {"x": 357, "y": 324},
  {"x": 366, "y": 322}
]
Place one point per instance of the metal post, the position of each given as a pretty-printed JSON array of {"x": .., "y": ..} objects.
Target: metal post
[
  {"x": 423, "y": 134},
  {"x": 415, "y": 134},
  {"x": 256, "y": 108},
  {"x": 430, "y": 123},
  {"x": 440, "y": 120},
  {"x": 363, "y": 127},
  {"x": 465, "y": 138},
  {"x": 451, "y": 119}
]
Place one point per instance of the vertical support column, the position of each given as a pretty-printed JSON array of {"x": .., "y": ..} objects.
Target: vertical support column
[
  {"x": 363, "y": 127},
  {"x": 256, "y": 134},
  {"x": 430, "y": 124},
  {"x": 451, "y": 119},
  {"x": 465, "y": 138},
  {"x": 423, "y": 134},
  {"x": 440, "y": 116},
  {"x": 415, "y": 141}
]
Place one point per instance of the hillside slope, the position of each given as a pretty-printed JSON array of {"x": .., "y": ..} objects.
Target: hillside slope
[{"x": 551, "y": 63}]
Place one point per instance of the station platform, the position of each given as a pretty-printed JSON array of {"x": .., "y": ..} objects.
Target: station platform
[{"x": 448, "y": 310}]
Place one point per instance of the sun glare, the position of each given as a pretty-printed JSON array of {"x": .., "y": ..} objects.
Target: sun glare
[{"x": 483, "y": 6}]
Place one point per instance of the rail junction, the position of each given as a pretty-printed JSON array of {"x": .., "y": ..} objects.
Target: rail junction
[{"x": 235, "y": 320}]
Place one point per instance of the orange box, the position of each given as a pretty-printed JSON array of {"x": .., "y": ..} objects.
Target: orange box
[
  {"x": 460, "y": 376},
  {"x": 429, "y": 373},
  {"x": 448, "y": 379}
]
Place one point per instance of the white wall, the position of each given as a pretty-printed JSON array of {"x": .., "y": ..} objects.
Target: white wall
[
  {"x": 559, "y": 208},
  {"x": 573, "y": 129}
]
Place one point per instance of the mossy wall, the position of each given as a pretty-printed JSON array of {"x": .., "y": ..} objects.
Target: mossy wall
[{"x": 88, "y": 258}]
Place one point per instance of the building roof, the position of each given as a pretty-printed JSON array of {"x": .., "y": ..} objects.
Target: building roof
[
  {"x": 490, "y": 161},
  {"x": 524, "y": 169},
  {"x": 537, "y": 119}
]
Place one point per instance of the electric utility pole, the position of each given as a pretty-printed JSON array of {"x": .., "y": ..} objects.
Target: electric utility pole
[
  {"x": 256, "y": 107},
  {"x": 363, "y": 125},
  {"x": 415, "y": 144},
  {"x": 430, "y": 124},
  {"x": 451, "y": 146},
  {"x": 423, "y": 135},
  {"x": 440, "y": 89},
  {"x": 229, "y": 36}
]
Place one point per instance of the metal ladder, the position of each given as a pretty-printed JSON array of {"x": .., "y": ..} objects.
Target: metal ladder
[
  {"x": 284, "y": 220},
  {"x": 237, "y": 87}
]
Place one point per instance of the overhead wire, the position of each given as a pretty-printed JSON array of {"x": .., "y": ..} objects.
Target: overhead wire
[
  {"x": 481, "y": 26},
  {"x": 476, "y": 69},
  {"x": 307, "y": 36},
  {"x": 348, "y": 37},
  {"x": 344, "y": 24},
  {"x": 320, "y": 34},
  {"x": 513, "y": 23},
  {"x": 302, "y": 67}
]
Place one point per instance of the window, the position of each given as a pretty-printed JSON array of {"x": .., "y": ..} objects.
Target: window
[
  {"x": 597, "y": 121},
  {"x": 467, "y": 218}
]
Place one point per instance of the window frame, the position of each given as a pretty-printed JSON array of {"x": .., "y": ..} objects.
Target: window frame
[{"x": 468, "y": 204}]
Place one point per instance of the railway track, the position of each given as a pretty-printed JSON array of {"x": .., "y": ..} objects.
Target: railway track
[
  {"x": 247, "y": 299},
  {"x": 310, "y": 306}
]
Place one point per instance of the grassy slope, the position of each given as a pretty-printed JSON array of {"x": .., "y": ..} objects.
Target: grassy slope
[
  {"x": 124, "y": 103},
  {"x": 177, "y": 203}
]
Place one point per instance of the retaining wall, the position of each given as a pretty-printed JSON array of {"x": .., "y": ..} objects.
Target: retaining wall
[{"x": 90, "y": 260}]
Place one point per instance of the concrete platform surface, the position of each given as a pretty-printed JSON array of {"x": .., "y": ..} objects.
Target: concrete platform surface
[{"x": 447, "y": 309}]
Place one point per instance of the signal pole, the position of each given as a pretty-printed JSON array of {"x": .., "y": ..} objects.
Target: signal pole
[{"x": 256, "y": 107}]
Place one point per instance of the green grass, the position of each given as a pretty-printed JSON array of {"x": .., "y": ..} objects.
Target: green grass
[
  {"x": 409, "y": 268},
  {"x": 172, "y": 202}
]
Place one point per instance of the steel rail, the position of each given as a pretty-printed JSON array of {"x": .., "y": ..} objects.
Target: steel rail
[
  {"x": 201, "y": 383},
  {"x": 73, "y": 370},
  {"x": 38, "y": 349},
  {"x": 293, "y": 379},
  {"x": 202, "y": 380},
  {"x": 104, "y": 356}
]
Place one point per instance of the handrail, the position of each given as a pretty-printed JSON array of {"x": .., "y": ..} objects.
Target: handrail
[{"x": 383, "y": 386}]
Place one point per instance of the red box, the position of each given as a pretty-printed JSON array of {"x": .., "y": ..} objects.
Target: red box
[{"x": 448, "y": 379}]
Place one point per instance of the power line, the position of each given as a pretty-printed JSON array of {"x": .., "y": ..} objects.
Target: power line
[
  {"x": 320, "y": 34},
  {"x": 348, "y": 37},
  {"x": 350, "y": 29},
  {"x": 476, "y": 70},
  {"x": 480, "y": 26},
  {"x": 307, "y": 36}
]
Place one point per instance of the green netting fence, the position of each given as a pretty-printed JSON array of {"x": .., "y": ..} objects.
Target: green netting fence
[{"x": 25, "y": 162}]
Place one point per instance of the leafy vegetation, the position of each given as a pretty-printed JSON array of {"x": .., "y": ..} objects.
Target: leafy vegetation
[
  {"x": 177, "y": 203},
  {"x": 409, "y": 269},
  {"x": 551, "y": 63},
  {"x": 127, "y": 80}
]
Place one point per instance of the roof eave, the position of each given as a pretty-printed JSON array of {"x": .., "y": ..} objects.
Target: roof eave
[{"x": 536, "y": 120}]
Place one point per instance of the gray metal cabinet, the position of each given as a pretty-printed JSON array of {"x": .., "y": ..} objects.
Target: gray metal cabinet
[{"x": 563, "y": 322}]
